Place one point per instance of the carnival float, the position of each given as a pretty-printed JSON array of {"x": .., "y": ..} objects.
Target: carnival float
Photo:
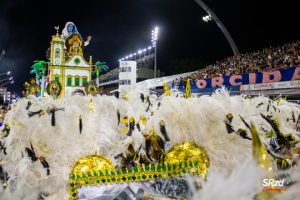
[{"x": 56, "y": 144}]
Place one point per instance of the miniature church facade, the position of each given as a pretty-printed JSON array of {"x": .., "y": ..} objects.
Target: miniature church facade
[{"x": 67, "y": 64}]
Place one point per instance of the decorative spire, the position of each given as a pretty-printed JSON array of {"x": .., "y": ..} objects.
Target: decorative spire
[{"x": 57, "y": 29}]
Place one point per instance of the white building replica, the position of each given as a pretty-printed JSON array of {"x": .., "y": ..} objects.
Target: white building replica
[{"x": 67, "y": 64}]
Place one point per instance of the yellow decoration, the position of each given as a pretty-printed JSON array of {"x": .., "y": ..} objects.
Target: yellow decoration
[
  {"x": 124, "y": 120},
  {"x": 229, "y": 116},
  {"x": 123, "y": 127},
  {"x": 75, "y": 46},
  {"x": 259, "y": 151},
  {"x": 189, "y": 151},
  {"x": 270, "y": 134},
  {"x": 291, "y": 138},
  {"x": 96, "y": 170},
  {"x": 131, "y": 119},
  {"x": 166, "y": 89},
  {"x": 278, "y": 101},
  {"x": 282, "y": 163},
  {"x": 43, "y": 148},
  {"x": 143, "y": 120},
  {"x": 125, "y": 96},
  {"x": 162, "y": 123},
  {"x": 91, "y": 164},
  {"x": 26, "y": 84},
  {"x": 91, "y": 105},
  {"x": 91, "y": 89},
  {"x": 124, "y": 130},
  {"x": 188, "y": 89},
  {"x": 32, "y": 82},
  {"x": 276, "y": 122}
]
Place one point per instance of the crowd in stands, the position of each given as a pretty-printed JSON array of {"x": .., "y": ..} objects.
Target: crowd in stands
[
  {"x": 268, "y": 59},
  {"x": 107, "y": 90}
]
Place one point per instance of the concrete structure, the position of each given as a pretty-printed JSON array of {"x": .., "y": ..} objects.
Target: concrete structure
[
  {"x": 127, "y": 75},
  {"x": 144, "y": 71},
  {"x": 4, "y": 94}
]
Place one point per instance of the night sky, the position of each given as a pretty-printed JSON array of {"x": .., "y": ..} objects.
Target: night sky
[{"x": 119, "y": 27}]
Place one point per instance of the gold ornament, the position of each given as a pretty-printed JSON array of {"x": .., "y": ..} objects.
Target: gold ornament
[
  {"x": 125, "y": 96},
  {"x": 189, "y": 151},
  {"x": 166, "y": 89},
  {"x": 91, "y": 88},
  {"x": 186, "y": 158},
  {"x": 123, "y": 126},
  {"x": 143, "y": 120},
  {"x": 162, "y": 123},
  {"x": 188, "y": 89},
  {"x": 259, "y": 151},
  {"x": 54, "y": 88},
  {"x": 91, "y": 105},
  {"x": 131, "y": 119},
  {"x": 91, "y": 164}
]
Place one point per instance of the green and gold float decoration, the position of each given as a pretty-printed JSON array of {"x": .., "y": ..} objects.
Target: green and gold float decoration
[
  {"x": 31, "y": 88},
  {"x": 91, "y": 88},
  {"x": 97, "y": 170},
  {"x": 54, "y": 88}
]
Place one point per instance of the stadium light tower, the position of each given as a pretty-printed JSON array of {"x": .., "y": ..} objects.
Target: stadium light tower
[
  {"x": 212, "y": 17},
  {"x": 154, "y": 37}
]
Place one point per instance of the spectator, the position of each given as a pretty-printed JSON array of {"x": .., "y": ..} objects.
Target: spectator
[{"x": 268, "y": 59}]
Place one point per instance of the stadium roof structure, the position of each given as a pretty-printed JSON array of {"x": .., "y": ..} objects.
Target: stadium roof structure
[{"x": 158, "y": 82}]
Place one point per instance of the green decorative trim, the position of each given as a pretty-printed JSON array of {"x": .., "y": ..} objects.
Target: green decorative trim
[
  {"x": 135, "y": 174},
  {"x": 77, "y": 61}
]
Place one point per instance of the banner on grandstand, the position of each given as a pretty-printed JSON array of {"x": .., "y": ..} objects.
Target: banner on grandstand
[
  {"x": 283, "y": 75},
  {"x": 270, "y": 86}
]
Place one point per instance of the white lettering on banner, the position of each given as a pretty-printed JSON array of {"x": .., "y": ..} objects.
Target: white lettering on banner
[{"x": 269, "y": 86}]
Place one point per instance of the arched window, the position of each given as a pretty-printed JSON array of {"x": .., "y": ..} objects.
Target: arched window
[
  {"x": 69, "y": 81},
  {"x": 84, "y": 81},
  {"x": 77, "y": 81}
]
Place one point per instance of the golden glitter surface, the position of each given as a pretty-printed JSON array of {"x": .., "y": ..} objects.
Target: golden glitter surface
[
  {"x": 189, "y": 151},
  {"x": 92, "y": 163}
]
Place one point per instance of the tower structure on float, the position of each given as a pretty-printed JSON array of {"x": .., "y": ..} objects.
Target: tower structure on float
[{"x": 67, "y": 64}]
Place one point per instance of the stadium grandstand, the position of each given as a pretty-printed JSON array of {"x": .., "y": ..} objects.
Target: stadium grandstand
[
  {"x": 280, "y": 64},
  {"x": 283, "y": 59},
  {"x": 268, "y": 59}
]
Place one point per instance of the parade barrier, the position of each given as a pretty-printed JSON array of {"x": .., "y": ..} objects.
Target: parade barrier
[{"x": 278, "y": 79}]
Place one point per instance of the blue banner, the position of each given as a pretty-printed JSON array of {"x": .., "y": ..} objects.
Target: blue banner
[{"x": 234, "y": 82}]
